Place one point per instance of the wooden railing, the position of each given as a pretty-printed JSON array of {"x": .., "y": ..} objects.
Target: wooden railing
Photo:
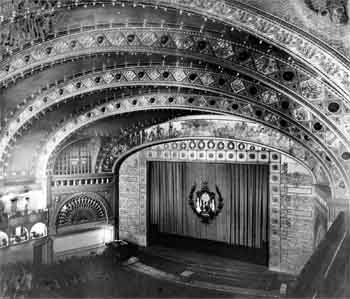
[{"x": 311, "y": 280}]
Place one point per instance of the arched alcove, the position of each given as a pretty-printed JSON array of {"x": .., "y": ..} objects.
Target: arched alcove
[
  {"x": 80, "y": 209},
  {"x": 19, "y": 234},
  {"x": 38, "y": 230},
  {"x": 4, "y": 239}
]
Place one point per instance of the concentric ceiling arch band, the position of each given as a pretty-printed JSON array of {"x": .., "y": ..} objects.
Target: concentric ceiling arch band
[{"x": 323, "y": 58}]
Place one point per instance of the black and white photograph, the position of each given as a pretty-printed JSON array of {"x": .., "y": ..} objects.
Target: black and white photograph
[{"x": 174, "y": 149}]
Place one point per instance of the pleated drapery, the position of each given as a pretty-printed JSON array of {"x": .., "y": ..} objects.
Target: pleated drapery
[{"x": 243, "y": 219}]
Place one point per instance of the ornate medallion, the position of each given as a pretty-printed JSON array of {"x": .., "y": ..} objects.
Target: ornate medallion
[{"x": 204, "y": 202}]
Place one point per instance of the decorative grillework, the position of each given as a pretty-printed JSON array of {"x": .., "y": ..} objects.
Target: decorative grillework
[
  {"x": 80, "y": 209},
  {"x": 75, "y": 160}
]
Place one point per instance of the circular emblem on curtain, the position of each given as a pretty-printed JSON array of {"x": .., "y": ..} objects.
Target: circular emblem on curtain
[{"x": 204, "y": 203}]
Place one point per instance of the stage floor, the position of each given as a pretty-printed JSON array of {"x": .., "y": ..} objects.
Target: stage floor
[
  {"x": 257, "y": 256},
  {"x": 216, "y": 270}
]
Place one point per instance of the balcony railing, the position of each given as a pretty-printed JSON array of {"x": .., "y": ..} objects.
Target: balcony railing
[{"x": 312, "y": 278}]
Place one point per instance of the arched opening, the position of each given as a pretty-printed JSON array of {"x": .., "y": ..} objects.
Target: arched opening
[
  {"x": 38, "y": 230},
  {"x": 4, "y": 239},
  {"x": 137, "y": 187},
  {"x": 18, "y": 234}
]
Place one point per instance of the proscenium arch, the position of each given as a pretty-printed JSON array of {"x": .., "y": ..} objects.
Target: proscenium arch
[
  {"x": 138, "y": 148},
  {"x": 188, "y": 84},
  {"x": 328, "y": 62},
  {"x": 188, "y": 119},
  {"x": 119, "y": 162},
  {"x": 127, "y": 106},
  {"x": 233, "y": 121}
]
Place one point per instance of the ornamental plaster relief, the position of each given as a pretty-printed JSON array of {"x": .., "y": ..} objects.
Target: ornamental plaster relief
[
  {"x": 220, "y": 127},
  {"x": 331, "y": 65},
  {"x": 185, "y": 77}
]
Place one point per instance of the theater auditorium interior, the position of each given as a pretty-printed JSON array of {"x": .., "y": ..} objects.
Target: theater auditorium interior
[{"x": 174, "y": 148}]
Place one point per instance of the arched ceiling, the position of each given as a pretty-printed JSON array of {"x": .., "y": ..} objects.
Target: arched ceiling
[{"x": 184, "y": 56}]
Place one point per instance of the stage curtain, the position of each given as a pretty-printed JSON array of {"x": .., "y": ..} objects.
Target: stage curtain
[{"x": 244, "y": 188}]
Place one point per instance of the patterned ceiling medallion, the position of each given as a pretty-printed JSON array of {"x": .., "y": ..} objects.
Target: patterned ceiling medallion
[
  {"x": 87, "y": 40},
  {"x": 207, "y": 79},
  {"x": 116, "y": 38},
  {"x": 184, "y": 42},
  {"x": 179, "y": 75},
  {"x": 88, "y": 82},
  {"x": 130, "y": 75},
  {"x": 153, "y": 74},
  {"x": 269, "y": 97},
  {"x": 108, "y": 77},
  {"x": 223, "y": 49},
  {"x": 237, "y": 86},
  {"x": 148, "y": 38},
  {"x": 266, "y": 65},
  {"x": 205, "y": 204}
]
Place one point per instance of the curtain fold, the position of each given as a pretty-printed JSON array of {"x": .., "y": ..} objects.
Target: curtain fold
[{"x": 244, "y": 187}]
